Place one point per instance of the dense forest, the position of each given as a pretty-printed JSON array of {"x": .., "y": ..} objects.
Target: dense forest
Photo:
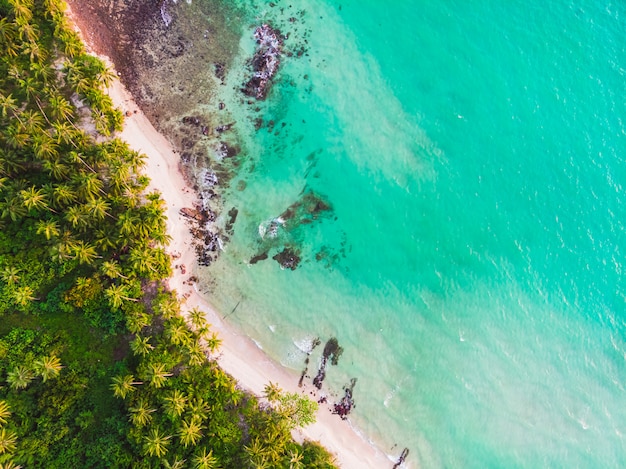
[{"x": 99, "y": 366}]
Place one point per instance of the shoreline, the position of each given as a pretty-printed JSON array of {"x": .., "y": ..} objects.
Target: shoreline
[{"x": 239, "y": 355}]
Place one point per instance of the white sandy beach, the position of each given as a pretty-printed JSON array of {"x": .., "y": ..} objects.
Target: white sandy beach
[{"x": 239, "y": 356}]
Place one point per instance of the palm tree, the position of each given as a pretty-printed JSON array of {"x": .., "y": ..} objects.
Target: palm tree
[
  {"x": 158, "y": 375},
  {"x": 44, "y": 147},
  {"x": 61, "y": 107},
  {"x": 98, "y": 208},
  {"x": 48, "y": 367},
  {"x": 199, "y": 409},
  {"x": 77, "y": 216},
  {"x": 124, "y": 385},
  {"x": 23, "y": 295},
  {"x": 295, "y": 460},
  {"x": 5, "y": 413},
  {"x": 155, "y": 443},
  {"x": 175, "y": 403},
  {"x": 167, "y": 306},
  {"x": 10, "y": 274},
  {"x": 175, "y": 464},
  {"x": 48, "y": 228},
  {"x": 8, "y": 104},
  {"x": 204, "y": 460},
  {"x": 141, "y": 346},
  {"x": 176, "y": 331},
  {"x": 56, "y": 168},
  {"x": 34, "y": 199},
  {"x": 136, "y": 321},
  {"x": 197, "y": 318},
  {"x": 257, "y": 453},
  {"x": 20, "y": 377},
  {"x": 213, "y": 343},
  {"x": 7, "y": 441},
  {"x": 196, "y": 353},
  {"x": 117, "y": 294},
  {"x": 112, "y": 269},
  {"x": 141, "y": 414},
  {"x": 190, "y": 432},
  {"x": 272, "y": 392},
  {"x": 63, "y": 195},
  {"x": 85, "y": 253}
]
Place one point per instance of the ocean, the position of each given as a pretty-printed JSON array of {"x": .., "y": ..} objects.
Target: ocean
[{"x": 450, "y": 175}]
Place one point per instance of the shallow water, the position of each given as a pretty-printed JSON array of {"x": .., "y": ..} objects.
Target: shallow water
[{"x": 471, "y": 265}]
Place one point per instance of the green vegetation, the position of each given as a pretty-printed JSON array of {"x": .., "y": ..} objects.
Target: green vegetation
[{"x": 98, "y": 366}]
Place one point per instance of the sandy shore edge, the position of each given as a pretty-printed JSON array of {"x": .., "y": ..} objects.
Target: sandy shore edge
[{"x": 239, "y": 356}]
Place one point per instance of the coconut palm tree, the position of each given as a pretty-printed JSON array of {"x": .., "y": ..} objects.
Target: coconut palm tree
[
  {"x": 167, "y": 306},
  {"x": 141, "y": 414},
  {"x": 19, "y": 377},
  {"x": 204, "y": 460},
  {"x": 48, "y": 367},
  {"x": 98, "y": 208},
  {"x": 48, "y": 228},
  {"x": 196, "y": 353},
  {"x": 34, "y": 199},
  {"x": 62, "y": 195},
  {"x": 85, "y": 253},
  {"x": 8, "y": 439},
  {"x": 60, "y": 107},
  {"x": 213, "y": 343},
  {"x": 141, "y": 346},
  {"x": 23, "y": 295},
  {"x": 56, "y": 168},
  {"x": 272, "y": 392},
  {"x": 136, "y": 321},
  {"x": 257, "y": 452},
  {"x": 176, "y": 463},
  {"x": 155, "y": 443},
  {"x": 8, "y": 104},
  {"x": 158, "y": 374},
  {"x": 117, "y": 294},
  {"x": 175, "y": 403},
  {"x": 124, "y": 385},
  {"x": 5, "y": 413},
  {"x": 77, "y": 216},
  {"x": 10, "y": 274},
  {"x": 198, "y": 408},
  {"x": 190, "y": 432},
  {"x": 295, "y": 460},
  {"x": 197, "y": 318},
  {"x": 176, "y": 331},
  {"x": 112, "y": 269}
]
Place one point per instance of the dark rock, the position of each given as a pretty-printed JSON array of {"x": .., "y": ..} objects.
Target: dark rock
[
  {"x": 193, "y": 214},
  {"x": 402, "y": 458},
  {"x": 332, "y": 351},
  {"x": 288, "y": 258},
  {"x": 265, "y": 61},
  {"x": 259, "y": 257},
  {"x": 345, "y": 405}
]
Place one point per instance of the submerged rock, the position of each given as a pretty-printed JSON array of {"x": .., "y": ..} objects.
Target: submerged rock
[
  {"x": 288, "y": 258},
  {"x": 345, "y": 405},
  {"x": 265, "y": 61}
]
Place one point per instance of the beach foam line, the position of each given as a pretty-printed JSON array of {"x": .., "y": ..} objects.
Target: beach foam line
[{"x": 239, "y": 356}]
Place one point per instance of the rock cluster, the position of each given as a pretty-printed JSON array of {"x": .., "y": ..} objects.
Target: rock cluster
[{"x": 265, "y": 62}]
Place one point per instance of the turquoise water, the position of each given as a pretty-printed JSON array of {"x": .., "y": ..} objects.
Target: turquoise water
[{"x": 471, "y": 266}]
